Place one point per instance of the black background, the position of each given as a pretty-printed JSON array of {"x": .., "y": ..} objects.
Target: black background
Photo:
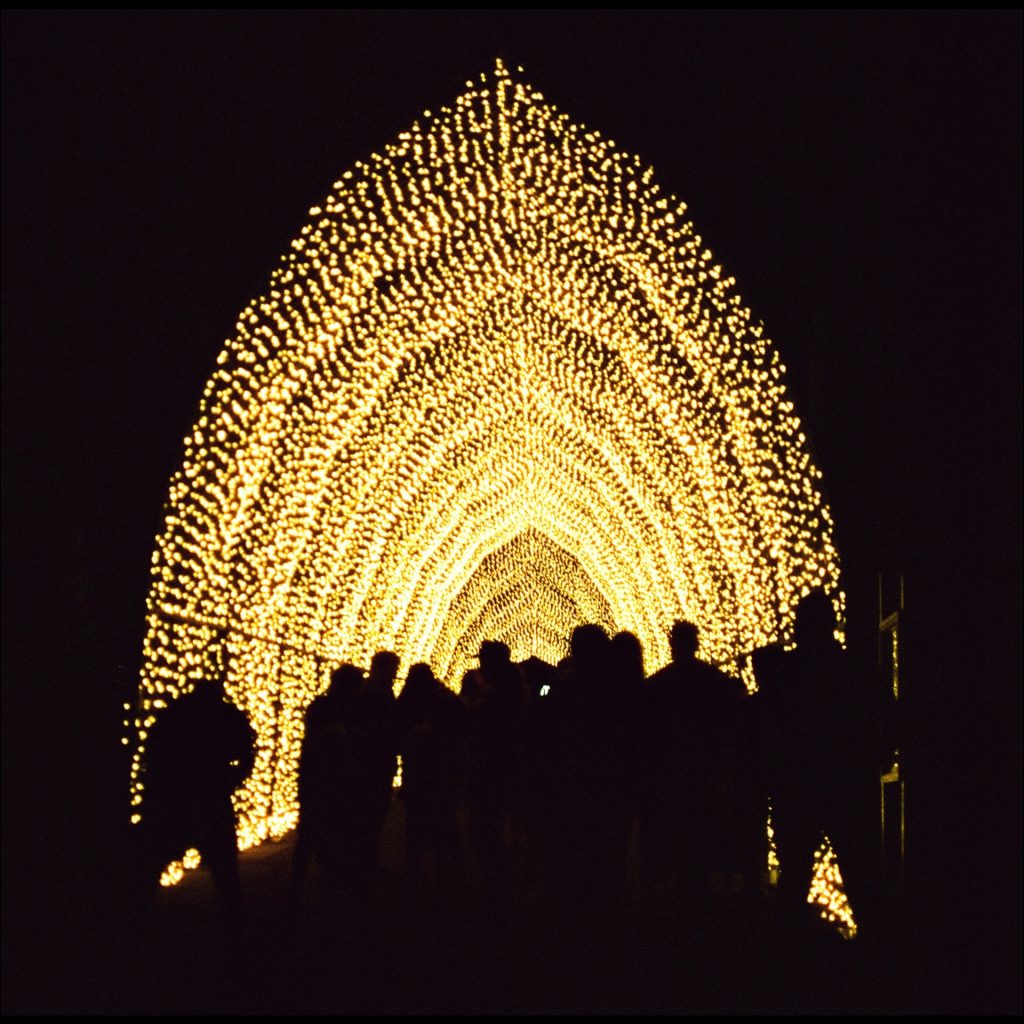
[{"x": 859, "y": 174}]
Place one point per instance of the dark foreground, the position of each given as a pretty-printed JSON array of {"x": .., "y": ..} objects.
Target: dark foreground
[{"x": 457, "y": 952}]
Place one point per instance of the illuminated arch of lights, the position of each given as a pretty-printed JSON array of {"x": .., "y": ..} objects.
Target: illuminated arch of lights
[
  {"x": 520, "y": 594},
  {"x": 497, "y": 386}
]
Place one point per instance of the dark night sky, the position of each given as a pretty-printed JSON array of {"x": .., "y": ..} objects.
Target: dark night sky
[{"x": 859, "y": 174}]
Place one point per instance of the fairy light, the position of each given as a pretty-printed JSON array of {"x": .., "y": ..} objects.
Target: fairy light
[
  {"x": 827, "y": 893},
  {"x": 772, "y": 864},
  {"x": 498, "y": 385},
  {"x": 172, "y": 874}
]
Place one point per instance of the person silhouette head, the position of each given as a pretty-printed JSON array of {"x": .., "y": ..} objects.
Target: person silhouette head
[
  {"x": 420, "y": 683},
  {"x": 815, "y": 621},
  {"x": 588, "y": 642},
  {"x": 494, "y": 657},
  {"x": 627, "y": 654},
  {"x": 345, "y": 682},
  {"x": 682, "y": 640},
  {"x": 383, "y": 670}
]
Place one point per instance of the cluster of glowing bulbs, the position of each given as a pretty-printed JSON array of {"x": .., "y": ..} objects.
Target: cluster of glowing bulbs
[
  {"x": 827, "y": 893},
  {"x": 497, "y": 387}
]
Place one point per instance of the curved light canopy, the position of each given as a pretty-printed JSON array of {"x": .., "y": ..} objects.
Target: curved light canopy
[{"x": 498, "y": 386}]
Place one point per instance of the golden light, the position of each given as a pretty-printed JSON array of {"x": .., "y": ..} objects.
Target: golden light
[
  {"x": 497, "y": 386},
  {"x": 827, "y": 892}
]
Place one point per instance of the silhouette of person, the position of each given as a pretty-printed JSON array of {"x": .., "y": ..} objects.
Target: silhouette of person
[
  {"x": 377, "y": 713},
  {"x": 750, "y": 789},
  {"x": 496, "y": 770},
  {"x": 551, "y": 765},
  {"x": 334, "y": 788},
  {"x": 582, "y": 812},
  {"x": 687, "y": 822},
  {"x": 761, "y": 769},
  {"x": 627, "y": 695},
  {"x": 628, "y": 663},
  {"x": 432, "y": 722},
  {"x": 200, "y": 751},
  {"x": 472, "y": 687},
  {"x": 825, "y": 748},
  {"x": 540, "y": 679},
  {"x": 538, "y": 676}
]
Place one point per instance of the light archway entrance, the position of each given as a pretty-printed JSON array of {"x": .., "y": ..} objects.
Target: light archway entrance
[{"x": 497, "y": 385}]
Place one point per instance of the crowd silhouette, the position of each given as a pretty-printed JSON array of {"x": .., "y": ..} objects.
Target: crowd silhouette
[{"x": 587, "y": 767}]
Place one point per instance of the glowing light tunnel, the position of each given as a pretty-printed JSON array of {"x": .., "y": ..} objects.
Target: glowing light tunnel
[{"x": 497, "y": 386}]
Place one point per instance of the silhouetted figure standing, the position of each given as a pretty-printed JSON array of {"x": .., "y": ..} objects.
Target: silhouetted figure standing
[
  {"x": 432, "y": 728},
  {"x": 471, "y": 690},
  {"x": 687, "y": 817},
  {"x": 377, "y": 714},
  {"x": 335, "y": 790},
  {"x": 550, "y": 761},
  {"x": 624, "y": 741},
  {"x": 538, "y": 676},
  {"x": 750, "y": 789},
  {"x": 496, "y": 770},
  {"x": 824, "y": 736},
  {"x": 760, "y": 769},
  {"x": 580, "y": 813},
  {"x": 200, "y": 751},
  {"x": 628, "y": 665}
]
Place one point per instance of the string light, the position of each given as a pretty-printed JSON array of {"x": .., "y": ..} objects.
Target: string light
[
  {"x": 828, "y": 894},
  {"x": 773, "y": 851},
  {"x": 497, "y": 386}
]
